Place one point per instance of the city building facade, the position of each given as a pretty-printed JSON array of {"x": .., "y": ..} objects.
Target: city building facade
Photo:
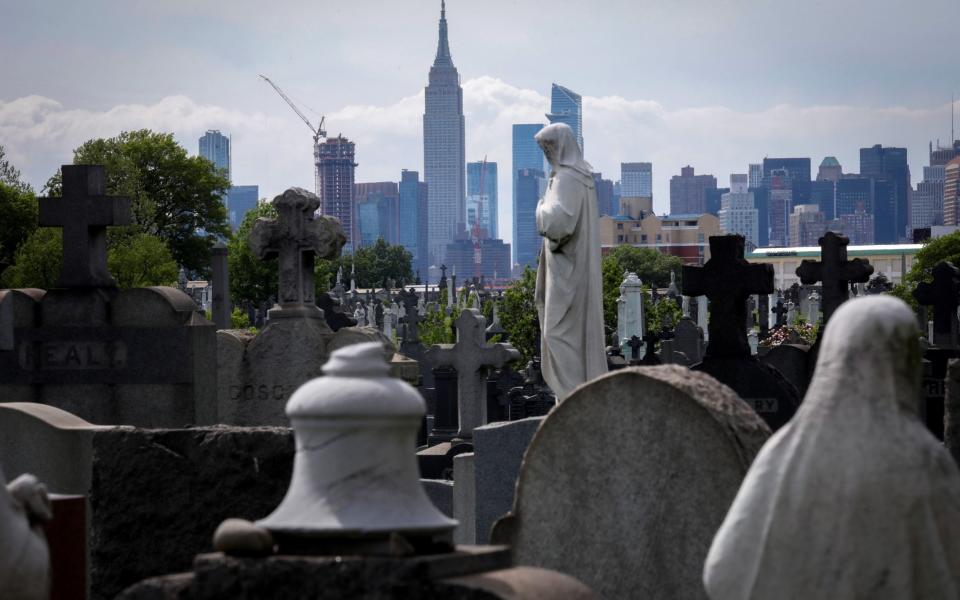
[
  {"x": 241, "y": 199},
  {"x": 494, "y": 265},
  {"x": 888, "y": 168},
  {"x": 412, "y": 226},
  {"x": 951, "y": 193},
  {"x": 215, "y": 147},
  {"x": 377, "y": 213},
  {"x": 482, "y": 197},
  {"x": 336, "y": 169},
  {"x": 794, "y": 174},
  {"x": 688, "y": 191},
  {"x": 807, "y": 225},
  {"x": 444, "y": 154},
  {"x": 684, "y": 236},
  {"x": 738, "y": 214},
  {"x": 636, "y": 179},
  {"x": 566, "y": 106},
  {"x": 531, "y": 184}
]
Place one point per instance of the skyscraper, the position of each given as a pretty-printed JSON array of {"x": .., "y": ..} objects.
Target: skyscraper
[
  {"x": 413, "y": 218},
  {"x": 376, "y": 211},
  {"x": 926, "y": 205},
  {"x": 444, "y": 155},
  {"x": 738, "y": 214},
  {"x": 755, "y": 175},
  {"x": 527, "y": 156},
  {"x": 526, "y": 240},
  {"x": 794, "y": 175},
  {"x": 636, "y": 179},
  {"x": 566, "y": 106},
  {"x": 336, "y": 168},
  {"x": 240, "y": 200},
  {"x": 482, "y": 175},
  {"x": 688, "y": 192},
  {"x": 605, "y": 203},
  {"x": 830, "y": 170},
  {"x": 951, "y": 192},
  {"x": 215, "y": 147},
  {"x": 890, "y": 210}
]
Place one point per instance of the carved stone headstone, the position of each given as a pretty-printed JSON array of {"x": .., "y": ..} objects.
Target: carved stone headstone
[
  {"x": 141, "y": 356},
  {"x": 727, "y": 280},
  {"x": 638, "y": 526},
  {"x": 470, "y": 356},
  {"x": 835, "y": 271}
]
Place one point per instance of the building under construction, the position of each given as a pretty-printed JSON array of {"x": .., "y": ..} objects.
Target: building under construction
[{"x": 335, "y": 172}]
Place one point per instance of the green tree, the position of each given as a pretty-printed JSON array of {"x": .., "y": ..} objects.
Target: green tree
[
  {"x": 10, "y": 175},
  {"x": 142, "y": 260},
  {"x": 518, "y": 314},
  {"x": 137, "y": 260},
  {"x": 652, "y": 267},
  {"x": 37, "y": 261},
  {"x": 174, "y": 196},
  {"x": 666, "y": 312},
  {"x": 18, "y": 220},
  {"x": 377, "y": 263},
  {"x": 934, "y": 251},
  {"x": 252, "y": 280}
]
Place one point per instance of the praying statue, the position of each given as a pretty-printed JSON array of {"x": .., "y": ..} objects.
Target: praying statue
[
  {"x": 568, "y": 293},
  {"x": 24, "y": 557},
  {"x": 853, "y": 498}
]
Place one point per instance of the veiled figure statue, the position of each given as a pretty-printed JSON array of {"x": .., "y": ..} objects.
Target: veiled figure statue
[
  {"x": 569, "y": 287},
  {"x": 853, "y": 498}
]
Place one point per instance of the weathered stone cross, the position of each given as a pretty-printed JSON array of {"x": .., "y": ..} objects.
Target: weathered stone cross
[
  {"x": 411, "y": 333},
  {"x": 835, "y": 271},
  {"x": 84, "y": 211},
  {"x": 470, "y": 356},
  {"x": 297, "y": 237},
  {"x": 727, "y": 280},
  {"x": 781, "y": 311},
  {"x": 942, "y": 294}
]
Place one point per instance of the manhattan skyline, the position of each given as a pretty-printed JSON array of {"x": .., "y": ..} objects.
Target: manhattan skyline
[{"x": 671, "y": 104}]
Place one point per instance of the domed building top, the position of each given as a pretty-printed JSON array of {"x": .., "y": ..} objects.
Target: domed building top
[{"x": 830, "y": 161}]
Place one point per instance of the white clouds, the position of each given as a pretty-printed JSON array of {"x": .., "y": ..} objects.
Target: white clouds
[{"x": 273, "y": 149}]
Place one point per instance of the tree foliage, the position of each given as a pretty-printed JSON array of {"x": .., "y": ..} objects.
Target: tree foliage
[
  {"x": 136, "y": 260},
  {"x": 652, "y": 267},
  {"x": 10, "y": 175},
  {"x": 174, "y": 196},
  {"x": 18, "y": 220},
  {"x": 934, "y": 251},
  {"x": 252, "y": 281},
  {"x": 518, "y": 314},
  {"x": 141, "y": 260},
  {"x": 373, "y": 266}
]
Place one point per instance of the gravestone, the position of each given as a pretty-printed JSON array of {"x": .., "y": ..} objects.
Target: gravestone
[
  {"x": 257, "y": 374},
  {"x": 942, "y": 294},
  {"x": 498, "y": 452},
  {"x": 221, "y": 286},
  {"x": 141, "y": 356},
  {"x": 781, "y": 312},
  {"x": 835, "y": 271},
  {"x": 727, "y": 280},
  {"x": 630, "y": 321},
  {"x": 470, "y": 356},
  {"x": 951, "y": 417},
  {"x": 763, "y": 312},
  {"x": 688, "y": 339},
  {"x": 639, "y": 525}
]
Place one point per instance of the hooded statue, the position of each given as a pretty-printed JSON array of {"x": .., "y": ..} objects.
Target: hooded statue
[
  {"x": 853, "y": 498},
  {"x": 24, "y": 557},
  {"x": 569, "y": 287}
]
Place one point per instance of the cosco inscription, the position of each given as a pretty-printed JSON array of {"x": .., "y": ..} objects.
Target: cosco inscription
[{"x": 72, "y": 356}]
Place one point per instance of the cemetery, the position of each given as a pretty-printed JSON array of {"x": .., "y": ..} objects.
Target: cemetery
[{"x": 723, "y": 439}]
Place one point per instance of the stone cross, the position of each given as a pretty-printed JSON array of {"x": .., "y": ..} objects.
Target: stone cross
[
  {"x": 412, "y": 317},
  {"x": 470, "y": 356},
  {"x": 84, "y": 211},
  {"x": 297, "y": 237},
  {"x": 942, "y": 294},
  {"x": 781, "y": 312},
  {"x": 835, "y": 271},
  {"x": 727, "y": 280},
  {"x": 634, "y": 343}
]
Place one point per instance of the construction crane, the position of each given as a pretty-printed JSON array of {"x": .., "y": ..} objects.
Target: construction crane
[
  {"x": 319, "y": 133},
  {"x": 476, "y": 232}
]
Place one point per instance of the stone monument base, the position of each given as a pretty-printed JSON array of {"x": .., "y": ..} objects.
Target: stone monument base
[{"x": 473, "y": 572}]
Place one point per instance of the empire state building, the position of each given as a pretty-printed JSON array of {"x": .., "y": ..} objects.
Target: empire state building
[{"x": 444, "y": 156}]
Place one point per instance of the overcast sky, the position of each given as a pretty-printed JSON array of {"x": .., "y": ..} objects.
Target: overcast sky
[{"x": 715, "y": 84}]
